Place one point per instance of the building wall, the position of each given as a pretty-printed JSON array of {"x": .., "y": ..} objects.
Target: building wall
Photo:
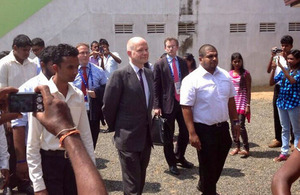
[{"x": 70, "y": 21}]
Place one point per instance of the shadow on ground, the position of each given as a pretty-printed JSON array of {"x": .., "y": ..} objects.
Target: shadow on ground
[
  {"x": 231, "y": 172},
  {"x": 114, "y": 186},
  {"x": 101, "y": 163}
]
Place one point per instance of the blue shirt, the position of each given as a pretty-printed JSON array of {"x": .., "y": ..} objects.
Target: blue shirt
[
  {"x": 289, "y": 95},
  {"x": 95, "y": 74}
]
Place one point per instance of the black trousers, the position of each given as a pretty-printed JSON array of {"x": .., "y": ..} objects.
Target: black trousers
[
  {"x": 95, "y": 128},
  {"x": 183, "y": 137},
  {"x": 58, "y": 173},
  {"x": 277, "y": 125},
  {"x": 215, "y": 145},
  {"x": 134, "y": 165}
]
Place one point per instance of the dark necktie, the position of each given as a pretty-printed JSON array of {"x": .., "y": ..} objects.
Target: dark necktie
[
  {"x": 141, "y": 79},
  {"x": 85, "y": 82}
]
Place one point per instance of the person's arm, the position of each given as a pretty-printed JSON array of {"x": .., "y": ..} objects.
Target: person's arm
[
  {"x": 188, "y": 119},
  {"x": 248, "y": 87},
  {"x": 269, "y": 69},
  {"x": 272, "y": 80},
  {"x": 286, "y": 73},
  {"x": 20, "y": 149},
  {"x": 4, "y": 75},
  {"x": 115, "y": 57},
  {"x": 234, "y": 116},
  {"x": 287, "y": 174},
  {"x": 56, "y": 117}
]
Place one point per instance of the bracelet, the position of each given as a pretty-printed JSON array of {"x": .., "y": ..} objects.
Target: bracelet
[
  {"x": 63, "y": 137},
  {"x": 21, "y": 161},
  {"x": 64, "y": 130},
  {"x": 236, "y": 122}
]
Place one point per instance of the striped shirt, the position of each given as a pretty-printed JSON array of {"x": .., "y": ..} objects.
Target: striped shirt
[{"x": 241, "y": 93}]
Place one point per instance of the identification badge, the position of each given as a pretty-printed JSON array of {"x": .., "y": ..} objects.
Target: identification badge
[{"x": 177, "y": 87}]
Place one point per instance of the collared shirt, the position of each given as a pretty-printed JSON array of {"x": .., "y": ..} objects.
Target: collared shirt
[
  {"x": 4, "y": 155},
  {"x": 94, "y": 60},
  {"x": 40, "y": 138},
  {"x": 37, "y": 61},
  {"x": 29, "y": 86},
  {"x": 14, "y": 74},
  {"x": 283, "y": 62},
  {"x": 207, "y": 94},
  {"x": 146, "y": 87},
  {"x": 289, "y": 94},
  {"x": 110, "y": 65},
  {"x": 96, "y": 77}
]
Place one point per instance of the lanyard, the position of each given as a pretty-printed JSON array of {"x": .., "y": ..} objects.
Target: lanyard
[
  {"x": 86, "y": 82},
  {"x": 178, "y": 69}
]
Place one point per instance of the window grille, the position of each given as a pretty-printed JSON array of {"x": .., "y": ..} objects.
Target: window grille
[
  {"x": 267, "y": 27},
  {"x": 123, "y": 28},
  {"x": 234, "y": 28},
  {"x": 186, "y": 28},
  {"x": 294, "y": 26},
  {"x": 155, "y": 28}
]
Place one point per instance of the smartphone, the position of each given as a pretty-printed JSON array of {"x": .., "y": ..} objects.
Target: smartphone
[{"x": 25, "y": 102}]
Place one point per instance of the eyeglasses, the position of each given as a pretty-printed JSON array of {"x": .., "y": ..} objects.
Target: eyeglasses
[{"x": 84, "y": 53}]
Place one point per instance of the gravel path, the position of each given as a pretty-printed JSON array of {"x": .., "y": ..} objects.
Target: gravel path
[{"x": 240, "y": 176}]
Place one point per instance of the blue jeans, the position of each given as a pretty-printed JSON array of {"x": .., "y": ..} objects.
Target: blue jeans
[{"x": 287, "y": 117}]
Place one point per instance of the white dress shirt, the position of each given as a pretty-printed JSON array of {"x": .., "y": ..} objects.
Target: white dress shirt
[
  {"x": 15, "y": 74},
  {"x": 40, "y": 138},
  {"x": 4, "y": 155},
  {"x": 207, "y": 94},
  {"x": 29, "y": 86}
]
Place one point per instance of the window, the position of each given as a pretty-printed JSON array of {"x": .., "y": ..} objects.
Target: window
[
  {"x": 234, "y": 28},
  {"x": 294, "y": 26},
  {"x": 155, "y": 28},
  {"x": 123, "y": 28},
  {"x": 267, "y": 27},
  {"x": 186, "y": 28}
]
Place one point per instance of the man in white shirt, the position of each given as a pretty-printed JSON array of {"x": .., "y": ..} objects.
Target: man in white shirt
[
  {"x": 38, "y": 45},
  {"x": 207, "y": 100},
  {"x": 108, "y": 60},
  {"x": 49, "y": 167},
  {"x": 15, "y": 69},
  {"x": 20, "y": 125}
]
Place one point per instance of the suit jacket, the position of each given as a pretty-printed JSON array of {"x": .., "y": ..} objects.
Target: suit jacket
[
  {"x": 125, "y": 109},
  {"x": 164, "y": 89},
  {"x": 96, "y": 103}
]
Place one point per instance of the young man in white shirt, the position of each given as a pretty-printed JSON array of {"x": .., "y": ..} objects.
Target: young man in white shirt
[{"x": 49, "y": 167}]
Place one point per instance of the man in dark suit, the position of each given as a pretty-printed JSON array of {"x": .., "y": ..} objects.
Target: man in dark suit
[
  {"x": 127, "y": 106},
  {"x": 168, "y": 74}
]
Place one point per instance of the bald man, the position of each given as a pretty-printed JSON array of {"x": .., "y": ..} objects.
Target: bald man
[{"x": 128, "y": 87}]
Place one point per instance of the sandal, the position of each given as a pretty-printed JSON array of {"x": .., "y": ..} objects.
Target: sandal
[
  {"x": 280, "y": 158},
  {"x": 234, "y": 151},
  {"x": 244, "y": 153}
]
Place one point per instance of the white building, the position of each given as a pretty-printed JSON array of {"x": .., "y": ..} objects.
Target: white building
[{"x": 248, "y": 27}]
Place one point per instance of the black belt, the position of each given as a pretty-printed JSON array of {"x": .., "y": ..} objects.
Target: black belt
[
  {"x": 57, "y": 153},
  {"x": 214, "y": 125}
]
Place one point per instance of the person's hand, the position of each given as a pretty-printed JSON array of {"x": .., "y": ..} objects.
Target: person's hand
[
  {"x": 236, "y": 131},
  {"x": 5, "y": 116},
  {"x": 91, "y": 93},
  {"x": 56, "y": 115},
  {"x": 272, "y": 53},
  {"x": 5, "y": 173},
  {"x": 247, "y": 111},
  {"x": 195, "y": 141},
  {"x": 279, "y": 64},
  {"x": 95, "y": 53},
  {"x": 274, "y": 65},
  {"x": 157, "y": 112},
  {"x": 22, "y": 170}
]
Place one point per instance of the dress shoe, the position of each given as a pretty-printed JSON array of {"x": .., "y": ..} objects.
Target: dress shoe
[
  {"x": 174, "y": 170},
  {"x": 7, "y": 191},
  {"x": 185, "y": 164},
  {"x": 274, "y": 144}
]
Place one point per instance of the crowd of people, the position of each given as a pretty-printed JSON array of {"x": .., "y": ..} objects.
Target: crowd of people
[{"x": 52, "y": 152}]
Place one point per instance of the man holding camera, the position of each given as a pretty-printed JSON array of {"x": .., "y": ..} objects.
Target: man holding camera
[
  {"x": 286, "y": 46},
  {"x": 108, "y": 60}
]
